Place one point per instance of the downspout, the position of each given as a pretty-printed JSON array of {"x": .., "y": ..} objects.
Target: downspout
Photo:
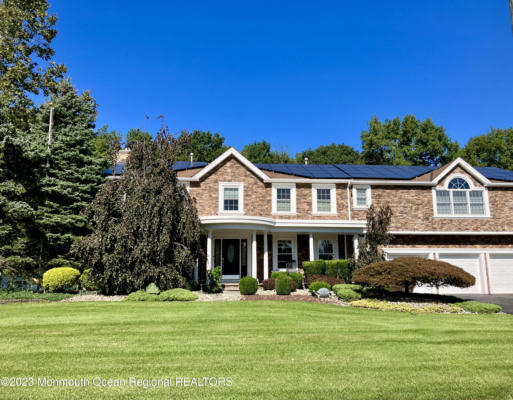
[{"x": 349, "y": 200}]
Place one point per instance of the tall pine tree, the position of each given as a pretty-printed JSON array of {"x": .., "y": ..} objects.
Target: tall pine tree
[
  {"x": 70, "y": 172},
  {"x": 18, "y": 231}
]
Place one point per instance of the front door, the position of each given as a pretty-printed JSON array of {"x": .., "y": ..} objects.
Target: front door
[{"x": 231, "y": 257}]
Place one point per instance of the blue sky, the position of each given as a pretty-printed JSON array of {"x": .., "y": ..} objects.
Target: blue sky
[{"x": 297, "y": 74}]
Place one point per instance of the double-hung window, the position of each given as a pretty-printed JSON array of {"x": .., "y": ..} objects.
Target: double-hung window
[
  {"x": 324, "y": 199},
  {"x": 361, "y": 196},
  {"x": 231, "y": 197},
  {"x": 284, "y": 198},
  {"x": 459, "y": 199},
  {"x": 284, "y": 254}
]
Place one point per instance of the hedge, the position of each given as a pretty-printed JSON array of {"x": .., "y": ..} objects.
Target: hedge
[
  {"x": 338, "y": 269},
  {"x": 60, "y": 279},
  {"x": 347, "y": 295},
  {"x": 352, "y": 286},
  {"x": 248, "y": 285},
  {"x": 317, "y": 267}
]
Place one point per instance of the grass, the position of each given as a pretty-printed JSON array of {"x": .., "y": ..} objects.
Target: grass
[
  {"x": 271, "y": 350},
  {"x": 31, "y": 296}
]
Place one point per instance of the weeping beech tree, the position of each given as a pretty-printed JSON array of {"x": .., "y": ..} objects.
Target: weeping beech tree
[{"x": 145, "y": 225}]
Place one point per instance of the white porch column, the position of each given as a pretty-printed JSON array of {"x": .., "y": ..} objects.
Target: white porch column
[
  {"x": 266, "y": 257},
  {"x": 356, "y": 244},
  {"x": 209, "y": 251},
  {"x": 253, "y": 256},
  {"x": 311, "y": 246}
]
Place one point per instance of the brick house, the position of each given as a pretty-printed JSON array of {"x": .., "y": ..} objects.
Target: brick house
[{"x": 260, "y": 218}]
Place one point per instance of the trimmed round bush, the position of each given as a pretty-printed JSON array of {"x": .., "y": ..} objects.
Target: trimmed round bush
[
  {"x": 283, "y": 285},
  {"x": 60, "y": 279},
  {"x": 478, "y": 307},
  {"x": 297, "y": 277},
  {"x": 178, "y": 294},
  {"x": 348, "y": 295},
  {"x": 248, "y": 286},
  {"x": 87, "y": 280},
  {"x": 192, "y": 285},
  {"x": 268, "y": 284},
  {"x": 315, "y": 286}
]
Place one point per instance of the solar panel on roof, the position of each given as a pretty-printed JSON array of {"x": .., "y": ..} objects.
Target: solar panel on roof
[{"x": 496, "y": 173}]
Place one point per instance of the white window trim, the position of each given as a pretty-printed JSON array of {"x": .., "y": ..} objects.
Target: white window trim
[
  {"x": 277, "y": 237},
  {"x": 238, "y": 185},
  {"x": 333, "y": 197},
  {"x": 367, "y": 196},
  {"x": 334, "y": 239},
  {"x": 486, "y": 204},
  {"x": 292, "y": 187}
]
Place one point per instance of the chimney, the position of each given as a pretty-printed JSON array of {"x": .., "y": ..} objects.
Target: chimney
[
  {"x": 192, "y": 158},
  {"x": 306, "y": 160}
]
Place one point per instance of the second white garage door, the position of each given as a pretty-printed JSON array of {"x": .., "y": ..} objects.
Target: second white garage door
[
  {"x": 500, "y": 269},
  {"x": 470, "y": 263}
]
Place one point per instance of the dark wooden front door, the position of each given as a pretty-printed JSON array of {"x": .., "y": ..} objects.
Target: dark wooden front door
[{"x": 231, "y": 256}]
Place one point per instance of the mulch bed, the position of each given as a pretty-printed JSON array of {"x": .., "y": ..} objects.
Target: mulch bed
[{"x": 308, "y": 299}]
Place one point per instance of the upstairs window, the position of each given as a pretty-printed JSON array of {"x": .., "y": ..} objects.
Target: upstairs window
[
  {"x": 231, "y": 198},
  {"x": 324, "y": 199},
  {"x": 460, "y": 199},
  {"x": 361, "y": 196},
  {"x": 284, "y": 198}
]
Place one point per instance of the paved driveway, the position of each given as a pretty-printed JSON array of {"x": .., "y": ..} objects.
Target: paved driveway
[{"x": 503, "y": 300}]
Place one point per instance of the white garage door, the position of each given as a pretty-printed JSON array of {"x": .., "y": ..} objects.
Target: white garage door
[
  {"x": 418, "y": 289},
  {"x": 470, "y": 263},
  {"x": 500, "y": 268}
]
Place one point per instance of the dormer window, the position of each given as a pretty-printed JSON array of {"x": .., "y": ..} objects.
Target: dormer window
[{"x": 460, "y": 199}]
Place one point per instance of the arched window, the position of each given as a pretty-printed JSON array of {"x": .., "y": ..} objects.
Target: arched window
[
  {"x": 458, "y": 183},
  {"x": 460, "y": 200}
]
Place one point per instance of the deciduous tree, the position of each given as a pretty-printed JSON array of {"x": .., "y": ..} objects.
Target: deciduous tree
[
  {"x": 493, "y": 149},
  {"x": 145, "y": 225},
  {"x": 260, "y": 152},
  {"x": 330, "y": 154}
]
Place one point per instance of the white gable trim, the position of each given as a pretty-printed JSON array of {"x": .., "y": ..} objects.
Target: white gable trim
[
  {"x": 230, "y": 152},
  {"x": 467, "y": 167}
]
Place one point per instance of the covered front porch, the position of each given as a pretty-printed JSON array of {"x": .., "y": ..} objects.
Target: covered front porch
[{"x": 241, "y": 250}]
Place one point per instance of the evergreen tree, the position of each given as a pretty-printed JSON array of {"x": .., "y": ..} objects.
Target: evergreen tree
[
  {"x": 18, "y": 233},
  {"x": 70, "y": 172},
  {"x": 145, "y": 225}
]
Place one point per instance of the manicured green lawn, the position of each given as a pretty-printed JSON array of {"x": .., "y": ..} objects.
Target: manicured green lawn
[{"x": 281, "y": 350}]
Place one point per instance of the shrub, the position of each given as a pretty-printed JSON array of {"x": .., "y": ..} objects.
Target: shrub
[
  {"x": 283, "y": 285},
  {"x": 407, "y": 272},
  {"x": 315, "y": 286},
  {"x": 293, "y": 286},
  {"x": 297, "y": 277},
  {"x": 352, "y": 286},
  {"x": 214, "y": 281},
  {"x": 268, "y": 284},
  {"x": 248, "y": 285},
  {"x": 177, "y": 295},
  {"x": 60, "y": 279},
  {"x": 338, "y": 269},
  {"x": 324, "y": 278},
  {"x": 87, "y": 280},
  {"x": 141, "y": 295},
  {"x": 317, "y": 267},
  {"x": 192, "y": 285},
  {"x": 478, "y": 307},
  {"x": 152, "y": 289},
  {"x": 348, "y": 295},
  {"x": 279, "y": 274}
]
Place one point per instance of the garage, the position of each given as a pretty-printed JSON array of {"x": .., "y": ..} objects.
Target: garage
[
  {"x": 472, "y": 264},
  {"x": 500, "y": 268}
]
